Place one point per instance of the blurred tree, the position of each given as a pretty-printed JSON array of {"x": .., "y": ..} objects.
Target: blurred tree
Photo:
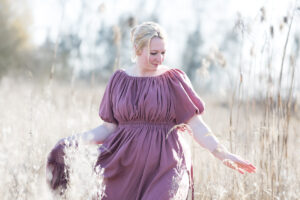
[
  {"x": 108, "y": 40},
  {"x": 115, "y": 39},
  {"x": 46, "y": 63},
  {"x": 192, "y": 54},
  {"x": 126, "y": 22},
  {"x": 14, "y": 36},
  {"x": 69, "y": 46}
]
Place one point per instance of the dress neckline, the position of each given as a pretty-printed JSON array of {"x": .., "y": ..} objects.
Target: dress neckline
[{"x": 146, "y": 77}]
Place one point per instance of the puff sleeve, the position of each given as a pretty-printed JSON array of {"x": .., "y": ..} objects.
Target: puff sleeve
[
  {"x": 187, "y": 103},
  {"x": 106, "y": 106}
]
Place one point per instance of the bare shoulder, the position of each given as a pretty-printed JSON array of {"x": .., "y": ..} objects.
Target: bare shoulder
[{"x": 127, "y": 70}]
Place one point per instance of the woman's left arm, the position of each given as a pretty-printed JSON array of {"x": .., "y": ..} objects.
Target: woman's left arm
[{"x": 204, "y": 136}]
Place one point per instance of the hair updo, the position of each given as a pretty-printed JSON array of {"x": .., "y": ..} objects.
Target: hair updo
[{"x": 142, "y": 34}]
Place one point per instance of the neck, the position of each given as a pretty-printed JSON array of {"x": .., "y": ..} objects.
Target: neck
[{"x": 141, "y": 70}]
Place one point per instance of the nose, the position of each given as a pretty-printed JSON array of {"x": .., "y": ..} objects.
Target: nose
[{"x": 160, "y": 58}]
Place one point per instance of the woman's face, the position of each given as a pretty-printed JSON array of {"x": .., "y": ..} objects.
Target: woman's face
[{"x": 154, "y": 57}]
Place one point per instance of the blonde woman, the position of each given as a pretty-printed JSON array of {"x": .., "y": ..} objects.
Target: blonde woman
[{"x": 143, "y": 110}]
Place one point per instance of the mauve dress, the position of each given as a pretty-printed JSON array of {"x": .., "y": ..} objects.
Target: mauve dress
[{"x": 141, "y": 160}]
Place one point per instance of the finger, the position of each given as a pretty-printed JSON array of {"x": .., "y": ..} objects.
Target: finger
[
  {"x": 241, "y": 162},
  {"x": 241, "y": 171},
  {"x": 229, "y": 164},
  {"x": 252, "y": 166},
  {"x": 249, "y": 167},
  {"x": 248, "y": 170},
  {"x": 241, "y": 166}
]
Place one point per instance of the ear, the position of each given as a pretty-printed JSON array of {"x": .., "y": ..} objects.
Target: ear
[{"x": 137, "y": 52}]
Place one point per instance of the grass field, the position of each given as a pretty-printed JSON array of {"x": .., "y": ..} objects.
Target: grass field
[{"x": 33, "y": 117}]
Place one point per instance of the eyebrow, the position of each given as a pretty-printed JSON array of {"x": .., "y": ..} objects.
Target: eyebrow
[{"x": 157, "y": 50}]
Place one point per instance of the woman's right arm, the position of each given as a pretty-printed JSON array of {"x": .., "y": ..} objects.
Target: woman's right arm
[{"x": 98, "y": 134}]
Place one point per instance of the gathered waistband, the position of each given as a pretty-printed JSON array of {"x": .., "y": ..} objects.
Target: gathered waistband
[{"x": 147, "y": 123}]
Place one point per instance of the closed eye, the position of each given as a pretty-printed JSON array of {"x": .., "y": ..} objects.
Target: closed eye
[{"x": 154, "y": 53}]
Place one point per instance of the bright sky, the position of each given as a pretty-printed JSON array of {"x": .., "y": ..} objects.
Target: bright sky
[
  {"x": 48, "y": 14},
  {"x": 216, "y": 17},
  {"x": 55, "y": 16}
]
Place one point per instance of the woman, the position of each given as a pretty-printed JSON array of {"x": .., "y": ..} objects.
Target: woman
[{"x": 142, "y": 153}]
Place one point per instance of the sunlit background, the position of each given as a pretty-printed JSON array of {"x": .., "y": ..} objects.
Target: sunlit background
[
  {"x": 242, "y": 57},
  {"x": 75, "y": 38}
]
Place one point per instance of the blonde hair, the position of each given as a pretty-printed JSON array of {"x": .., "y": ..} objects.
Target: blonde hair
[{"x": 142, "y": 34}]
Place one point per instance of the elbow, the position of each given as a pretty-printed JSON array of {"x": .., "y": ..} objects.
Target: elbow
[
  {"x": 99, "y": 134},
  {"x": 110, "y": 127}
]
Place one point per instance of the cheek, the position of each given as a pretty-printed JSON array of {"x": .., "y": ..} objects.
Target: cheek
[
  {"x": 144, "y": 58},
  {"x": 151, "y": 58}
]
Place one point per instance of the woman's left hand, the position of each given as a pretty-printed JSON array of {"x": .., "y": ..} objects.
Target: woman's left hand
[{"x": 237, "y": 163}]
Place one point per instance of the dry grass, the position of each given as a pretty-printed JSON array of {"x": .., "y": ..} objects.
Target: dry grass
[
  {"x": 264, "y": 131},
  {"x": 34, "y": 117},
  {"x": 258, "y": 140}
]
